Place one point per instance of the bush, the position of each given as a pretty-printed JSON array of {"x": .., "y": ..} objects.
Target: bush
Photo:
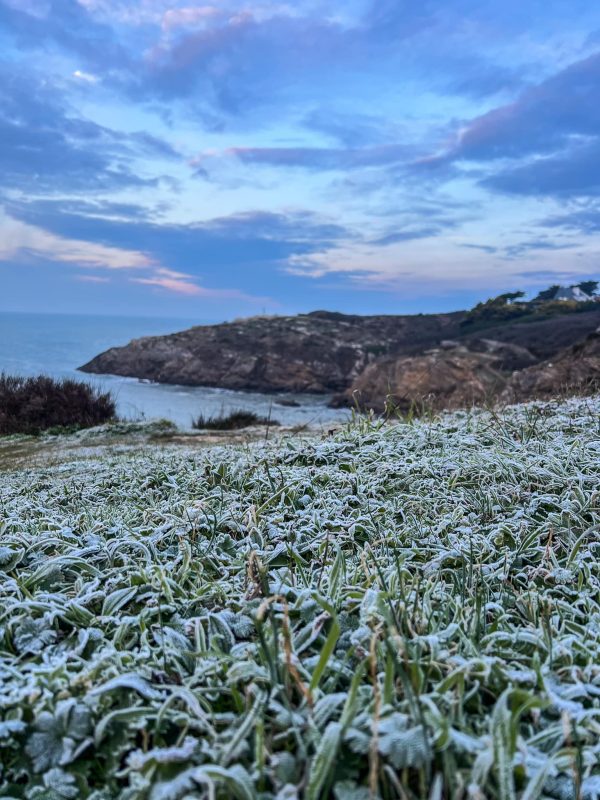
[
  {"x": 498, "y": 310},
  {"x": 33, "y": 405},
  {"x": 233, "y": 421}
]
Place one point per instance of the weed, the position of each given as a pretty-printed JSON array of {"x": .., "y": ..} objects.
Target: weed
[{"x": 235, "y": 420}]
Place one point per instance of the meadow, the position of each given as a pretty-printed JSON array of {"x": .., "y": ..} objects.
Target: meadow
[{"x": 404, "y": 611}]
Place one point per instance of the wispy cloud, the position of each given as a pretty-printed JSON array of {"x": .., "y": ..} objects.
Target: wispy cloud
[
  {"x": 183, "y": 284},
  {"x": 172, "y": 281},
  {"x": 85, "y": 77},
  {"x": 191, "y": 17},
  {"x": 316, "y": 158},
  {"x": 91, "y": 279},
  {"x": 21, "y": 241}
]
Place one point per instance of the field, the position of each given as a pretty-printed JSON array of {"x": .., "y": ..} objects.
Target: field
[{"x": 409, "y": 611}]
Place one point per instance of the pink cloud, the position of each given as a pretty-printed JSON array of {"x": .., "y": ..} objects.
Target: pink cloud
[
  {"x": 172, "y": 281},
  {"x": 181, "y": 283},
  {"x": 202, "y": 43},
  {"x": 188, "y": 17},
  {"x": 19, "y": 240}
]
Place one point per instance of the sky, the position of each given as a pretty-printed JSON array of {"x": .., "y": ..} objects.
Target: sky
[{"x": 179, "y": 159}]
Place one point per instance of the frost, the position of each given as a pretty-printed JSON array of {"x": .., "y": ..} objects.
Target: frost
[
  {"x": 33, "y": 635},
  {"x": 243, "y": 621},
  {"x": 57, "y": 735}
]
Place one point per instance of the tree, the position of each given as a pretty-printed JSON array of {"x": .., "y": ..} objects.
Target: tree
[
  {"x": 547, "y": 294},
  {"x": 589, "y": 287},
  {"x": 502, "y": 299},
  {"x": 510, "y": 297}
]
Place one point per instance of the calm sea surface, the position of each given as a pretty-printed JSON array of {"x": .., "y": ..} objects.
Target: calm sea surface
[{"x": 53, "y": 344}]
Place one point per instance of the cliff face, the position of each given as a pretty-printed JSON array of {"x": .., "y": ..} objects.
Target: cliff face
[
  {"x": 575, "y": 370},
  {"x": 449, "y": 377},
  {"x": 452, "y": 376},
  {"x": 318, "y": 352}
]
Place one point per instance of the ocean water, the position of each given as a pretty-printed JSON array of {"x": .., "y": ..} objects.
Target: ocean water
[{"x": 56, "y": 344}]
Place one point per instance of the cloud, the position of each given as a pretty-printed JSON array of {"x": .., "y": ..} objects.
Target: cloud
[
  {"x": 315, "y": 158},
  {"x": 485, "y": 248},
  {"x": 580, "y": 219},
  {"x": 86, "y": 77},
  {"x": 249, "y": 251},
  {"x": 172, "y": 281},
  {"x": 544, "y": 117},
  {"x": 46, "y": 148},
  {"x": 519, "y": 249},
  {"x": 576, "y": 172},
  {"x": 22, "y": 241},
  {"x": 67, "y": 24},
  {"x": 175, "y": 18},
  {"x": 183, "y": 284},
  {"x": 478, "y": 78},
  {"x": 228, "y": 62},
  {"x": 352, "y": 130},
  {"x": 400, "y": 98},
  {"x": 92, "y": 279},
  {"x": 406, "y": 236},
  {"x": 548, "y": 276},
  {"x": 546, "y": 142},
  {"x": 388, "y": 20}
]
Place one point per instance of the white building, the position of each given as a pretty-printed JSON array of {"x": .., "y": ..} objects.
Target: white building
[{"x": 572, "y": 293}]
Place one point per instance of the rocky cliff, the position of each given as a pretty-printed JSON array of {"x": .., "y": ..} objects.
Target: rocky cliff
[
  {"x": 575, "y": 370},
  {"x": 447, "y": 377},
  {"x": 317, "y": 352},
  {"x": 367, "y": 359}
]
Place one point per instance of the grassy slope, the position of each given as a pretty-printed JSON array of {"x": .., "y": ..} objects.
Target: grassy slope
[{"x": 414, "y": 609}]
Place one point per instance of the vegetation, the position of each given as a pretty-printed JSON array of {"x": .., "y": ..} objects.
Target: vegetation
[
  {"x": 33, "y": 405},
  {"x": 589, "y": 287},
  {"x": 546, "y": 294},
  {"x": 235, "y": 420},
  {"x": 401, "y": 612},
  {"x": 510, "y": 307}
]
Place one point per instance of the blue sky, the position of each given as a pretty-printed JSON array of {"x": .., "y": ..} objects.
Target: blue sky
[{"x": 195, "y": 160}]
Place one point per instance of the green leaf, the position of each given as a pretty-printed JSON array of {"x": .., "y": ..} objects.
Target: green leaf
[
  {"x": 501, "y": 740},
  {"x": 130, "y": 680},
  {"x": 323, "y": 760},
  {"x": 326, "y": 653},
  {"x": 404, "y": 747},
  {"x": 130, "y": 716},
  {"x": 117, "y": 600},
  {"x": 163, "y": 755},
  {"x": 57, "y": 734},
  {"x": 10, "y": 727},
  {"x": 33, "y": 635},
  {"x": 9, "y": 557},
  {"x": 58, "y": 785}
]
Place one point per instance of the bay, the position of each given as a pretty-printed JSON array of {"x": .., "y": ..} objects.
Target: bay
[{"x": 56, "y": 344}]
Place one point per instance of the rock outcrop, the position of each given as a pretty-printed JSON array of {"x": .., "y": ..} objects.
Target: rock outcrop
[
  {"x": 509, "y": 357},
  {"x": 575, "y": 370},
  {"x": 448, "y": 377},
  {"x": 318, "y": 352}
]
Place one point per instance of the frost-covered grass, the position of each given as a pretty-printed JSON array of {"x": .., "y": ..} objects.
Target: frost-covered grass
[{"x": 412, "y": 612}]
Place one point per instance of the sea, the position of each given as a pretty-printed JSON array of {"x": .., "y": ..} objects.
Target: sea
[{"x": 57, "y": 344}]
